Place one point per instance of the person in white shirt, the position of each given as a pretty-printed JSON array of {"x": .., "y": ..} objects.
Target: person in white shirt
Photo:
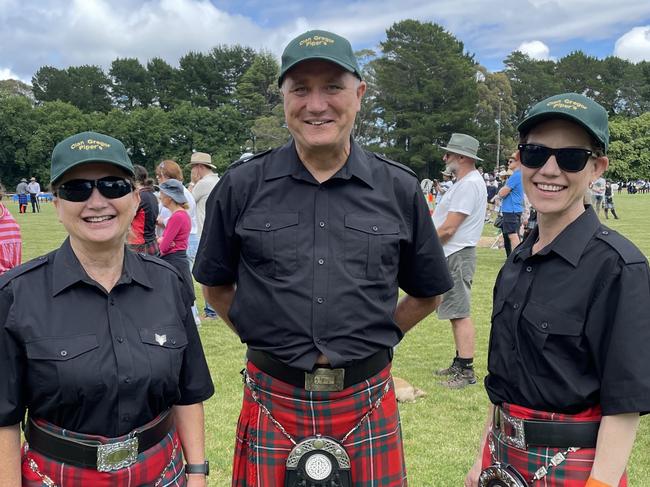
[
  {"x": 459, "y": 219},
  {"x": 34, "y": 189},
  {"x": 204, "y": 179}
]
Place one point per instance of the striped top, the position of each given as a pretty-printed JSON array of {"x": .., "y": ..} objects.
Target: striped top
[{"x": 10, "y": 242}]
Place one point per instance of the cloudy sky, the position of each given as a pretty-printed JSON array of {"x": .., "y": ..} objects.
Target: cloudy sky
[{"x": 62, "y": 33}]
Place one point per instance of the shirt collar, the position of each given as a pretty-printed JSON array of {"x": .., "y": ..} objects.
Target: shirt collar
[
  {"x": 67, "y": 270},
  {"x": 570, "y": 243},
  {"x": 285, "y": 162}
]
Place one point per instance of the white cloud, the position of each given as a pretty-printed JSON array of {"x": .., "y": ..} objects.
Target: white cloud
[
  {"x": 535, "y": 50},
  {"x": 6, "y": 73},
  {"x": 634, "y": 45}
]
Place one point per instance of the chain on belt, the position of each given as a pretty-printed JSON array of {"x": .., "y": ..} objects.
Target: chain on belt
[{"x": 50, "y": 483}]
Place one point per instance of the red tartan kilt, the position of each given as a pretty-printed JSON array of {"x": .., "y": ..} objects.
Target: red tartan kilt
[
  {"x": 375, "y": 448},
  {"x": 147, "y": 470},
  {"x": 573, "y": 472}
]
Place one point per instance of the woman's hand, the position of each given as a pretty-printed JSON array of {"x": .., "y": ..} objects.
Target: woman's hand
[
  {"x": 471, "y": 480},
  {"x": 197, "y": 480}
]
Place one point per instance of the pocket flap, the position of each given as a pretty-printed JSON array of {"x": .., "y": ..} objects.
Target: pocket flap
[
  {"x": 270, "y": 222},
  {"x": 165, "y": 336},
  {"x": 60, "y": 348},
  {"x": 371, "y": 225},
  {"x": 552, "y": 321}
]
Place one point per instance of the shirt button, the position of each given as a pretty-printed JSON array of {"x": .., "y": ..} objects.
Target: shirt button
[
  {"x": 120, "y": 339},
  {"x": 322, "y": 224},
  {"x": 375, "y": 228},
  {"x": 605, "y": 232},
  {"x": 127, "y": 380},
  {"x": 544, "y": 324},
  {"x": 112, "y": 301},
  {"x": 173, "y": 341},
  {"x": 320, "y": 300},
  {"x": 321, "y": 261},
  {"x": 63, "y": 353},
  {"x": 529, "y": 269},
  {"x": 318, "y": 340},
  {"x": 267, "y": 225},
  {"x": 516, "y": 305}
]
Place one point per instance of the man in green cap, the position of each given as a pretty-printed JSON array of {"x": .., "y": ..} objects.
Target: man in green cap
[
  {"x": 303, "y": 252},
  {"x": 568, "y": 374}
]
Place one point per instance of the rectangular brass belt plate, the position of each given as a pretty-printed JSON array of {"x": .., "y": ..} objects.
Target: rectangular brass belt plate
[{"x": 324, "y": 380}]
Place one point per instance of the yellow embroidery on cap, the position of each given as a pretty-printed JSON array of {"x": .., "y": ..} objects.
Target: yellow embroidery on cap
[
  {"x": 566, "y": 103},
  {"x": 90, "y": 144},
  {"x": 316, "y": 41}
]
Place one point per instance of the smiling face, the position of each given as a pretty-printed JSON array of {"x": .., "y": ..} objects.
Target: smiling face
[
  {"x": 321, "y": 101},
  {"x": 98, "y": 221},
  {"x": 558, "y": 195}
]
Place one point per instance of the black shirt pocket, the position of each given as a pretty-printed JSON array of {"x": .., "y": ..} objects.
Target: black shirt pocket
[
  {"x": 65, "y": 365},
  {"x": 558, "y": 335},
  {"x": 371, "y": 246},
  {"x": 165, "y": 346},
  {"x": 269, "y": 242}
]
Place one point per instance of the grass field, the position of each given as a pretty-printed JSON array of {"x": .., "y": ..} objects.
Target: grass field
[{"x": 440, "y": 430}]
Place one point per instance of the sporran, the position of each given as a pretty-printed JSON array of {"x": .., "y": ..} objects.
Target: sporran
[
  {"x": 501, "y": 475},
  {"x": 318, "y": 461}
]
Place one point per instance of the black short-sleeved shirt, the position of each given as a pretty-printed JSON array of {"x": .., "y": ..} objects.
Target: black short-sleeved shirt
[
  {"x": 318, "y": 266},
  {"x": 149, "y": 204},
  {"x": 570, "y": 324},
  {"x": 94, "y": 362}
]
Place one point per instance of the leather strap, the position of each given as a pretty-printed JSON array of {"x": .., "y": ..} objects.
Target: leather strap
[
  {"x": 559, "y": 434},
  {"x": 354, "y": 373},
  {"x": 84, "y": 453}
]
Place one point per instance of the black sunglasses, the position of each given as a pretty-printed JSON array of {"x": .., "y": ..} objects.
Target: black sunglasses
[
  {"x": 78, "y": 190},
  {"x": 570, "y": 159}
]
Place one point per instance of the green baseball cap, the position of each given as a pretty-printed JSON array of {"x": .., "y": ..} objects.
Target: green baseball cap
[
  {"x": 319, "y": 44},
  {"x": 573, "y": 107},
  {"x": 88, "y": 147}
]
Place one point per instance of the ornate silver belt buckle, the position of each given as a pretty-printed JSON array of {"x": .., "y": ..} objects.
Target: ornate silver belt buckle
[
  {"x": 511, "y": 430},
  {"x": 114, "y": 456},
  {"x": 325, "y": 380}
]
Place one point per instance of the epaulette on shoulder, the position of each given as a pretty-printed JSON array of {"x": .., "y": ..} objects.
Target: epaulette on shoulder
[
  {"x": 159, "y": 261},
  {"x": 626, "y": 249},
  {"x": 394, "y": 163},
  {"x": 22, "y": 269},
  {"x": 244, "y": 160}
]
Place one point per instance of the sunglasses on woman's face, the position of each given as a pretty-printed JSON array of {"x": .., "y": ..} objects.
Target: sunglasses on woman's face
[
  {"x": 77, "y": 190},
  {"x": 569, "y": 159}
]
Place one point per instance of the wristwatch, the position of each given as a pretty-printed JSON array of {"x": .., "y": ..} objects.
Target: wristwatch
[{"x": 201, "y": 468}]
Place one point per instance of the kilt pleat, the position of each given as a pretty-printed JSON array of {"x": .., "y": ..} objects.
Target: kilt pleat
[
  {"x": 155, "y": 466},
  {"x": 573, "y": 472},
  {"x": 375, "y": 448}
]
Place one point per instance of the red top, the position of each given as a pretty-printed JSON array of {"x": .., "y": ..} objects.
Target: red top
[
  {"x": 10, "y": 242},
  {"x": 177, "y": 233}
]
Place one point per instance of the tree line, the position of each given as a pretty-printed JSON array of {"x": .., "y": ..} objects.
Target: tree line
[{"x": 422, "y": 86}]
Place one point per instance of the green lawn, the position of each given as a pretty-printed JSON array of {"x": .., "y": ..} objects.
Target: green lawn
[{"x": 441, "y": 430}]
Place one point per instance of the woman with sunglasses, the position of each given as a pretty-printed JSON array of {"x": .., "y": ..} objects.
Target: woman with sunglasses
[
  {"x": 98, "y": 345},
  {"x": 567, "y": 361}
]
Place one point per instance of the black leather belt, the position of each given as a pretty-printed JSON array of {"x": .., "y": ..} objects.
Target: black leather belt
[
  {"x": 354, "y": 373},
  {"x": 93, "y": 454},
  {"x": 525, "y": 433}
]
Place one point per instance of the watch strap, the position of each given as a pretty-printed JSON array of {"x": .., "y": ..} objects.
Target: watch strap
[{"x": 198, "y": 468}]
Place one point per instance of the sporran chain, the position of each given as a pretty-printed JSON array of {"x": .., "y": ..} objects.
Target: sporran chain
[{"x": 251, "y": 385}]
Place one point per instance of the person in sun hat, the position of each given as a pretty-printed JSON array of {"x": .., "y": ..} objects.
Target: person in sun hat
[
  {"x": 459, "y": 219},
  {"x": 303, "y": 252},
  {"x": 98, "y": 344},
  {"x": 567, "y": 374},
  {"x": 204, "y": 180}
]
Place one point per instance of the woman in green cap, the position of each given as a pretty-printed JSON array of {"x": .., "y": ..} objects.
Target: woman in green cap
[{"x": 98, "y": 345}]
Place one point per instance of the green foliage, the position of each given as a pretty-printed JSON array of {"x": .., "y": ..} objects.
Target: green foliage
[
  {"x": 426, "y": 90},
  {"x": 629, "y": 151},
  {"x": 257, "y": 91},
  {"x": 531, "y": 81},
  {"x": 132, "y": 84}
]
